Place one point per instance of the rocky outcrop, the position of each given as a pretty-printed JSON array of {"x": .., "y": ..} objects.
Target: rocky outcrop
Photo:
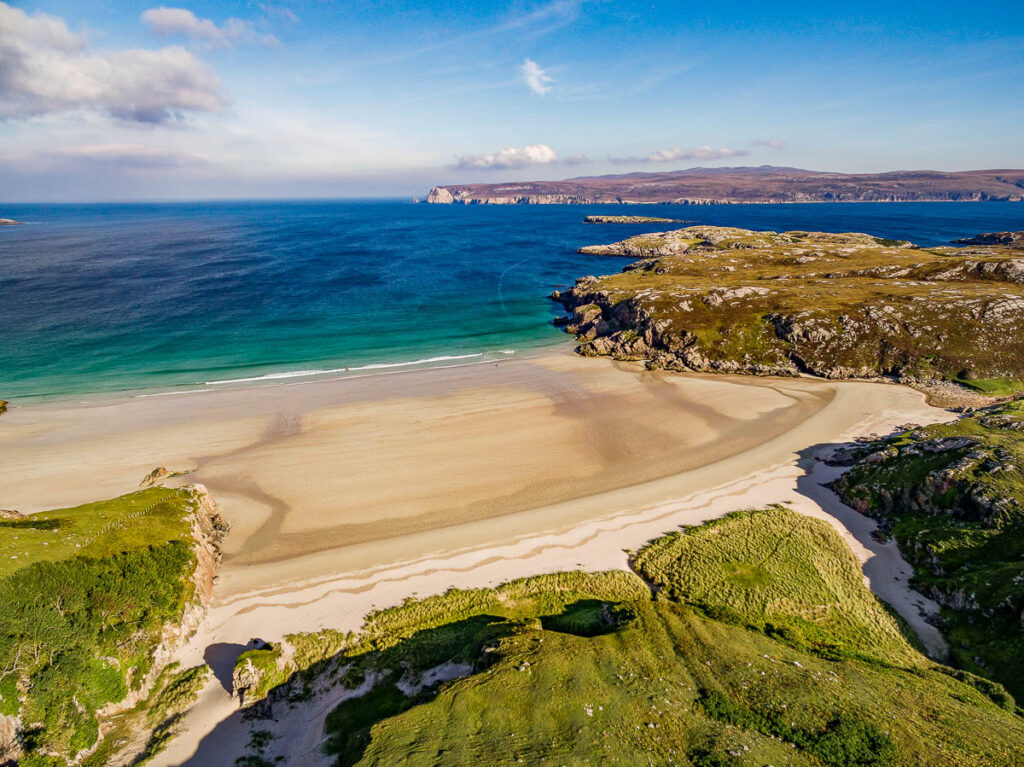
[
  {"x": 440, "y": 195},
  {"x": 629, "y": 220},
  {"x": 8, "y": 222},
  {"x": 1009, "y": 239},
  {"x": 3, "y": 405},
  {"x": 952, "y": 497},
  {"x": 847, "y": 305},
  {"x": 155, "y": 476}
]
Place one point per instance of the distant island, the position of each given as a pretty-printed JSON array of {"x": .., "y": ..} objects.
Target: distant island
[
  {"x": 764, "y": 184},
  {"x": 8, "y": 222},
  {"x": 630, "y": 220}
]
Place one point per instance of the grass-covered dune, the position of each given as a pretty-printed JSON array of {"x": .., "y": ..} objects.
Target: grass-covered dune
[
  {"x": 93, "y": 598},
  {"x": 750, "y": 640},
  {"x": 721, "y": 299},
  {"x": 952, "y": 496}
]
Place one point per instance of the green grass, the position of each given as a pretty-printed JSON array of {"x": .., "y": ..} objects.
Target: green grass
[
  {"x": 581, "y": 669},
  {"x": 86, "y": 594},
  {"x": 147, "y": 518},
  {"x": 994, "y": 387},
  {"x": 777, "y": 571},
  {"x": 958, "y": 517}
]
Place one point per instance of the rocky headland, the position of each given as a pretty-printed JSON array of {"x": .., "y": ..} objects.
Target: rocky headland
[
  {"x": 728, "y": 300},
  {"x": 763, "y": 184}
]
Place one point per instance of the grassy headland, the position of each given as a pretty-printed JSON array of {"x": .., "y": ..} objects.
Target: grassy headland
[
  {"x": 90, "y": 594},
  {"x": 721, "y": 299},
  {"x": 748, "y": 640},
  {"x": 952, "y": 496}
]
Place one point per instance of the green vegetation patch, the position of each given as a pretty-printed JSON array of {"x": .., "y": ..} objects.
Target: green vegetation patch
[
  {"x": 777, "y": 571},
  {"x": 596, "y": 668},
  {"x": 160, "y": 715},
  {"x": 86, "y": 594},
  {"x": 952, "y": 496}
]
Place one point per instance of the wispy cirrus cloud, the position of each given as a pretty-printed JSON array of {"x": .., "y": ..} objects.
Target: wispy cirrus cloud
[
  {"x": 46, "y": 68},
  {"x": 536, "y": 79},
  {"x": 508, "y": 158},
  {"x": 770, "y": 143},
  {"x": 126, "y": 155},
  {"x": 181, "y": 22},
  {"x": 668, "y": 155}
]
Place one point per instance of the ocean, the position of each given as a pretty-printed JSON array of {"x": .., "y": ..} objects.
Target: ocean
[{"x": 160, "y": 297}]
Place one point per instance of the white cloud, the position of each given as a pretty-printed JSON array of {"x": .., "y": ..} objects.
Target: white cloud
[
  {"x": 577, "y": 159},
  {"x": 695, "y": 153},
  {"x": 168, "y": 22},
  {"x": 510, "y": 157},
  {"x": 535, "y": 77},
  {"x": 47, "y": 68},
  {"x": 771, "y": 142}
]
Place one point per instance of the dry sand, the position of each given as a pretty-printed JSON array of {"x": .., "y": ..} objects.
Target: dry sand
[{"x": 353, "y": 494}]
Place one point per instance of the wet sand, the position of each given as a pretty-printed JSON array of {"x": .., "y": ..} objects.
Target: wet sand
[{"x": 334, "y": 465}]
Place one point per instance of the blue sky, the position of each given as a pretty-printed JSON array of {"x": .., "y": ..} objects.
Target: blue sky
[{"x": 129, "y": 100}]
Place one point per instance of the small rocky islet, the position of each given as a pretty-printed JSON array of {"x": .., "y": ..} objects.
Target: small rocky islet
[
  {"x": 630, "y": 220},
  {"x": 847, "y": 305}
]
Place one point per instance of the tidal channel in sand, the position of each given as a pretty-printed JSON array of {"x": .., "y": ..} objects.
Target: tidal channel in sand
[{"x": 320, "y": 466}]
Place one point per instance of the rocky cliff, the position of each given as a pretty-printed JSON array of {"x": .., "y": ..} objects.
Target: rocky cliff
[
  {"x": 764, "y": 184},
  {"x": 720, "y": 299}
]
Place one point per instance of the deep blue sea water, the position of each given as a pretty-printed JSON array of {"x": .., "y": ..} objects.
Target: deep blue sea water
[{"x": 150, "y": 297}]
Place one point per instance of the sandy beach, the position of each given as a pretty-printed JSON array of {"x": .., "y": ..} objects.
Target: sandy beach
[{"x": 345, "y": 495}]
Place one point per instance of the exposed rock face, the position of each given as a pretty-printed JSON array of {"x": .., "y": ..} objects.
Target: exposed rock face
[
  {"x": 721, "y": 299},
  {"x": 440, "y": 195},
  {"x": 1009, "y": 239},
  {"x": 764, "y": 184}
]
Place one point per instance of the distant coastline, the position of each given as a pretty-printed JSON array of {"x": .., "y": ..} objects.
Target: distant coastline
[{"x": 763, "y": 185}]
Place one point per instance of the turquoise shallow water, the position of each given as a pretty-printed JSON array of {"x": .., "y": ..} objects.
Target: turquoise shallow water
[{"x": 155, "y": 297}]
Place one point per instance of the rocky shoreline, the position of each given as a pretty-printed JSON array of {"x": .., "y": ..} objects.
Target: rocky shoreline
[{"x": 726, "y": 300}]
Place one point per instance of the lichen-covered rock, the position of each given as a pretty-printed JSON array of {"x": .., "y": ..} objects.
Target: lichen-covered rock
[
  {"x": 1011, "y": 239},
  {"x": 847, "y": 305}
]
